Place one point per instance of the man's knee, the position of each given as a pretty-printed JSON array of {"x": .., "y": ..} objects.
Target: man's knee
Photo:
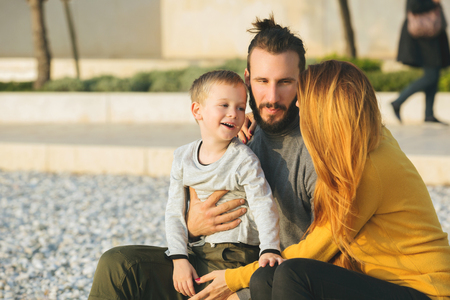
[
  {"x": 129, "y": 255},
  {"x": 108, "y": 275},
  {"x": 112, "y": 264},
  {"x": 111, "y": 255},
  {"x": 127, "y": 271}
]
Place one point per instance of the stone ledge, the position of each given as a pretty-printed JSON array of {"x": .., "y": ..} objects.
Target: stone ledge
[
  {"x": 86, "y": 159},
  {"x": 139, "y": 108}
]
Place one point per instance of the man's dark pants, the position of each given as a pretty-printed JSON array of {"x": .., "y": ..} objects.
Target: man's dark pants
[{"x": 145, "y": 272}]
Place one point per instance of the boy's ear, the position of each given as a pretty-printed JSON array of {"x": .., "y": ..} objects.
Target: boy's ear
[
  {"x": 247, "y": 77},
  {"x": 195, "y": 109}
]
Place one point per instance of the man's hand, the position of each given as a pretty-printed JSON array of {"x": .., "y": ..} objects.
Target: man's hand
[
  {"x": 205, "y": 218},
  {"x": 183, "y": 275},
  {"x": 217, "y": 290},
  {"x": 271, "y": 259},
  {"x": 247, "y": 129}
]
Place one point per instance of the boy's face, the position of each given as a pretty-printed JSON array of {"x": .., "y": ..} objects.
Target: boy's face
[{"x": 222, "y": 113}]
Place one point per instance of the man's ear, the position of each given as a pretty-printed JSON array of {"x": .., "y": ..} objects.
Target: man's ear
[
  {"x": 247, "y": 77},
  {"x": 196, "y": 111}
]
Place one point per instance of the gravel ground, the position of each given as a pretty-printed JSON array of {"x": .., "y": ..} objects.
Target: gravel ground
[{"x": 54, "y": 227}]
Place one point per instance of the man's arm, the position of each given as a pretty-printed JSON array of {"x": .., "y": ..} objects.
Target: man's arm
[{"x": 205, "y": 218}]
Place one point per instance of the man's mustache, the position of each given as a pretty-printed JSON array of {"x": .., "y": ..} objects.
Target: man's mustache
[{"x": 272, "y": 105}]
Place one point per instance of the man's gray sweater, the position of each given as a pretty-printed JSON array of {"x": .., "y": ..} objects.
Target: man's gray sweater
[{"x": 290, "y": 172}]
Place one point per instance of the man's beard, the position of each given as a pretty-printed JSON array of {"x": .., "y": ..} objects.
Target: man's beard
[{"x": 270, "y": 126}]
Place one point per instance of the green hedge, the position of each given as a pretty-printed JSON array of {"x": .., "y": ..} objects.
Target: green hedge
[
  {"x": 181, "y": 80},
  {"x": 365, "y": 64},
  {"x": 154, "y": 81},
  {"x": 16, "y": 86},
  {"x": 394, "y": 81}
]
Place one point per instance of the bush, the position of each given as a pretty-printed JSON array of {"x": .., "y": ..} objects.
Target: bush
[
  {"x": 108, "y": 83},
  {"x": 16, "y": 86},
  {"x": 64, "y": 85},
  {"x": 165, "y": 81},
  {"x": 141, "y": 82},
  {"x": 365, "y": 64},
  {"x": 444, "y": 81},
  {"x": 189, "y": 75},
  {"x": 236, "y": 65},
  {"x": 394, "y": 81},
  {"x": 181, "y": 80}
]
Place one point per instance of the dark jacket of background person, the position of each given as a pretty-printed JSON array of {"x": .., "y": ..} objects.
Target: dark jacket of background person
[{"x": 423, "y": 52}]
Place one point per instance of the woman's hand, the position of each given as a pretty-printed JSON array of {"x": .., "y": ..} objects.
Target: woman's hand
[
  {"x": 247, "y": 129},
  {"x": 218, "y": 289}
]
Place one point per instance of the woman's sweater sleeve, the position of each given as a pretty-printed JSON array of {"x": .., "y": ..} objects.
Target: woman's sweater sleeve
[{"x": 319, "y": 244}]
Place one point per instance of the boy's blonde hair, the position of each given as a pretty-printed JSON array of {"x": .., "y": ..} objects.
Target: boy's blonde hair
[{"x": 201, "y": 86}]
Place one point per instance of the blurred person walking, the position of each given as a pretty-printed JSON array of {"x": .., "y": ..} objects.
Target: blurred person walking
[{"x": 428, "y": 52}]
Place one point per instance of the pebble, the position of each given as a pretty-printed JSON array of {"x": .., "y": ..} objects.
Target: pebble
[{"x": 54, "y": 227}]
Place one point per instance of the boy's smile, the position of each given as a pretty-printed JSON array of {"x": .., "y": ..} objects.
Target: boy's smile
[{"x": 229, "y": 125}]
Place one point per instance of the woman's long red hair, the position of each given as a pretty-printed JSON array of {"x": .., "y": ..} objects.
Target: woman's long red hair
[{"x": 340, "y": 123}]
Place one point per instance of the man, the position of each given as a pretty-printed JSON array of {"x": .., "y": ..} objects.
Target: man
[{"x": 275, "y": 59}]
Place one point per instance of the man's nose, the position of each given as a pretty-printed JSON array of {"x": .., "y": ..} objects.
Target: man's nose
[{"x": 271, "y": 95}]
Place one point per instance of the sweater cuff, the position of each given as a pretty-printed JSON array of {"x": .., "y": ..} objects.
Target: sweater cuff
[
  {"x": 239, "y": 278},
  {"x": 178, "y": 256},
  {"x": 274, "y": 251}
]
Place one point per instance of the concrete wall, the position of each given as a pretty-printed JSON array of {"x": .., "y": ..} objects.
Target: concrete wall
[
  {"x": 199, "y": 29},
  {"x": 207, "y": 28},
  {"x": 104, "y": 28},
  {"x": 95, "y": 108},
  {"x": 141, "y": 108}
]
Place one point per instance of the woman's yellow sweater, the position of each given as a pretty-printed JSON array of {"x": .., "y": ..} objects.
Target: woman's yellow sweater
[{"x": 398, "y": 236}]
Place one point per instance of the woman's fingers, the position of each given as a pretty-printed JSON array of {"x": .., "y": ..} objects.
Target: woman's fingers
[{"x": 247, "y": 129}]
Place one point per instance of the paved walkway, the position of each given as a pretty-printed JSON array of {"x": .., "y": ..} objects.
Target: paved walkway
[
  {"x": 139, "y": 135},
  {"x": 426, "y": 139},
  {"x": 427, "y": 145}
]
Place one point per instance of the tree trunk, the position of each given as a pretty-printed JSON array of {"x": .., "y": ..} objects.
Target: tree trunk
[
  {"x": 41, "y": 46},
  {"x": 348, "y": 29},
  {"x": 73, "y": 39}
]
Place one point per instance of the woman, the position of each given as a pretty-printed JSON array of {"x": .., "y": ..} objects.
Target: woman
[
  {"x": 431, "y": 54},
  {"x": 374, "y": 219}
]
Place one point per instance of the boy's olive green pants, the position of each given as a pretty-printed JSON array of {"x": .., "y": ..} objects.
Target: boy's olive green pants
[{"x": 145, "y": 272}]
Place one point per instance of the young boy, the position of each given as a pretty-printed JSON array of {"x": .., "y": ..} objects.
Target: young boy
[{"x": 219, "y": 161}]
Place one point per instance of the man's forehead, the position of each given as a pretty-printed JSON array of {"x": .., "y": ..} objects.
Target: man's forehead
[{"x": 274, "y": 65}]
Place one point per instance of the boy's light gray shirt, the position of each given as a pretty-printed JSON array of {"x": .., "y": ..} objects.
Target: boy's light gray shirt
[{"x": 237, "y": 171}]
